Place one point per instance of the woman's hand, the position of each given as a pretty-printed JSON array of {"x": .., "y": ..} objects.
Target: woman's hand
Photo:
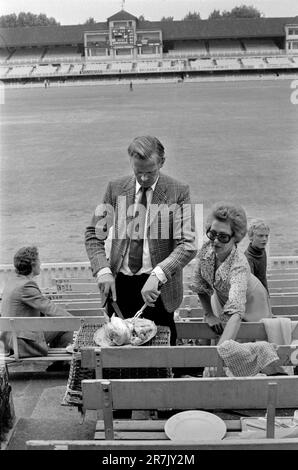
[{"x": 214, "y": 323}]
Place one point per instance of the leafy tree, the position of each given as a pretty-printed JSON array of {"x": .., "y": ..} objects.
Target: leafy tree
[
  {"x": 142, "y": 18},
  {"x": 192, "y": 16},
  {"x": 90, "y": 20},
  {"x": 167, "y": 18},
  {"x": 26, "y": 19},
  {"x": 242, "y": 11},
  {"x": 8, "y": 21},
  {"x": 214, "y": 15},
  {"x": 245, "y": 11}
]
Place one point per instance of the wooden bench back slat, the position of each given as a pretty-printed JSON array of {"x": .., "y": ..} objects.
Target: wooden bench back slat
[
  {"x": 185, "y": 329},
  {"x": 46, "y": 323},
  {"x": 198, "y": 393},
  {"x": 163, "y": 356},
  {"x": 246, "y": 331}
]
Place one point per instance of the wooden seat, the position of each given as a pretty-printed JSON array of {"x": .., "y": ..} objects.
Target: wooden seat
[
  {"x": 220, "y": 393},
  {"x": 15, "y": 324},
  {"x": 164, "y": 356}
]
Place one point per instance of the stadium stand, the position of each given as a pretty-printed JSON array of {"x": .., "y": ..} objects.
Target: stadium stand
[
  {"x": 27, "y": 55},
  {"x": 137, "y": 47},
  {"x": 20, "y": 71},
  {"x": 44, "y": 70},
  {"x": 92, "y": 67},
  {"x": 62, "y": 53},
  {"x": 189, "y": 48},
  {"x": 3, "y": 71},
  {"x": 4, "y": 54},
  {"x": 75, "y": 68},
  {"x": 202, "y": 64},
  {"x": 276, "y": 61},
  {"x": 260, "y": 45},
  {"x": 224, "y": 46},
  {"x": 121, "y": 67},
  {"x": 172, "y": 65},
  {"x": 253, "y": 62},
  {"x": 64, "y": 69},
  {"x": 148, "y": 66},
  {"x": 228, "y": 63}
]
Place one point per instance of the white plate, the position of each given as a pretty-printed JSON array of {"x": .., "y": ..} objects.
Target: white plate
[{"x": 195, "y": 425}]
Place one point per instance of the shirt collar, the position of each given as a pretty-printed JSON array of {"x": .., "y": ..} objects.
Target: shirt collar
[{"x": 138, "y": 186}]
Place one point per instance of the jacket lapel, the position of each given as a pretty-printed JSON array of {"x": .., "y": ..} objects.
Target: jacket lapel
[{"x": 159, "y": 197}]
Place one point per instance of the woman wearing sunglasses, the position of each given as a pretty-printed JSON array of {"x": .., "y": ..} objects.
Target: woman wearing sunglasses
[{"x": 228, "y": 291}]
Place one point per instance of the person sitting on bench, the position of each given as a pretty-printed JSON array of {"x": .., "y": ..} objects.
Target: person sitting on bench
[{"x": 23, "y": 298}]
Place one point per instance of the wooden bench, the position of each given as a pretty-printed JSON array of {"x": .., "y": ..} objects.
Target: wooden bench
[
  {"x": 277, "y": 310},
  {"x": 219, "y": 393},
  {"x": 185, "y": 329},
  {"x": 15, "y": 324},
  {"x": 247, "y": 331},
  {"x": 164, "y": 356}
]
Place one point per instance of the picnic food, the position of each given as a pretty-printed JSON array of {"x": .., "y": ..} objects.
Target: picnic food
[
  {"x": 118, "y": 332},
  {"x": 142, "y": 330}
]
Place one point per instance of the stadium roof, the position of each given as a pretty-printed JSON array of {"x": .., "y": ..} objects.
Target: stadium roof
[
  {"x": 171, "y": 30},
  {"x": 122, "y": 15}
]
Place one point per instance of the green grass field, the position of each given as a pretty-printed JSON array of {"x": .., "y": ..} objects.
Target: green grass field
[{"x": 60, "y": 146}]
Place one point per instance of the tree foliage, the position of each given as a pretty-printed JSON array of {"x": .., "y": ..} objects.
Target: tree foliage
[
  {"x": 167, "y": 18},
  {"x": 26, "y": 19},
  {"x": 90, "y": 20},
  {"x": 195, "y": 15},
  {"x": 141, "y": 18},
  {"x": 242, "y": 11},
  {"x": 214, "y": 15}
]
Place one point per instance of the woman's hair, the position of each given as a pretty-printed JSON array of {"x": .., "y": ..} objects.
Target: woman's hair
[
  {"x": 256, "y": 224},
  {"x": 145, "y": 146},
  {"x": 24, "y": 259},
  {"x": 234, "y": 215}
]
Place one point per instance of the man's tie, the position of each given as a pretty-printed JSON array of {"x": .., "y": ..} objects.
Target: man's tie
[{"x": 135, "y": 258}]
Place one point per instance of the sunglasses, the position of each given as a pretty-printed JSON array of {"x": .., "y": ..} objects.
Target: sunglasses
[{"x": 221, "y": 237}]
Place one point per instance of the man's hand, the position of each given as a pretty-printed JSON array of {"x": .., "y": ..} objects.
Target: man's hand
[
  {"x": 106, "y": 283},
  {"x": 214, "y": 323},
  {"x": 150, "y": 291}
]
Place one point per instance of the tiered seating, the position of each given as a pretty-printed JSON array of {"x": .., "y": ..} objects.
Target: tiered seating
[
  {"x": 76, "y": 68},
  {"x": 64, "y": 69},
  {"x": 202, "y": 64},
  {"x": 121, "y": 66},
  {"x": 91, "y": 67},
  {"x": 195, "y": 48},
  {"x": 3, "y": 71},
  {"x": 253, "y": 62},
  {"x": 224, "y": 46},
  {"x": 63, "y": 52},
  {"x": 20, "y": 71},
  {"x": 216, "y": 394},
  {"x": 25, "y": 55},
  {"x": 228, "y": 63},
  {"x": 151, "y": 66},
  {"x": 45, "y": 70},
  {"x": 260, "y": 45},
  {"x": 4, "y": 53},
  {"x": 276, "y": 61}
]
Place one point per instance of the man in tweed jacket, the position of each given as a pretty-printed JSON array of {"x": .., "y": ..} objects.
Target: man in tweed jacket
[{"x": 169, "y": 237}]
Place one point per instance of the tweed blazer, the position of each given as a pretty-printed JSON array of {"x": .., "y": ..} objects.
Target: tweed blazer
[
  {"x": 171, "y": 246},
  {"x": 22, "y": 298}
]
